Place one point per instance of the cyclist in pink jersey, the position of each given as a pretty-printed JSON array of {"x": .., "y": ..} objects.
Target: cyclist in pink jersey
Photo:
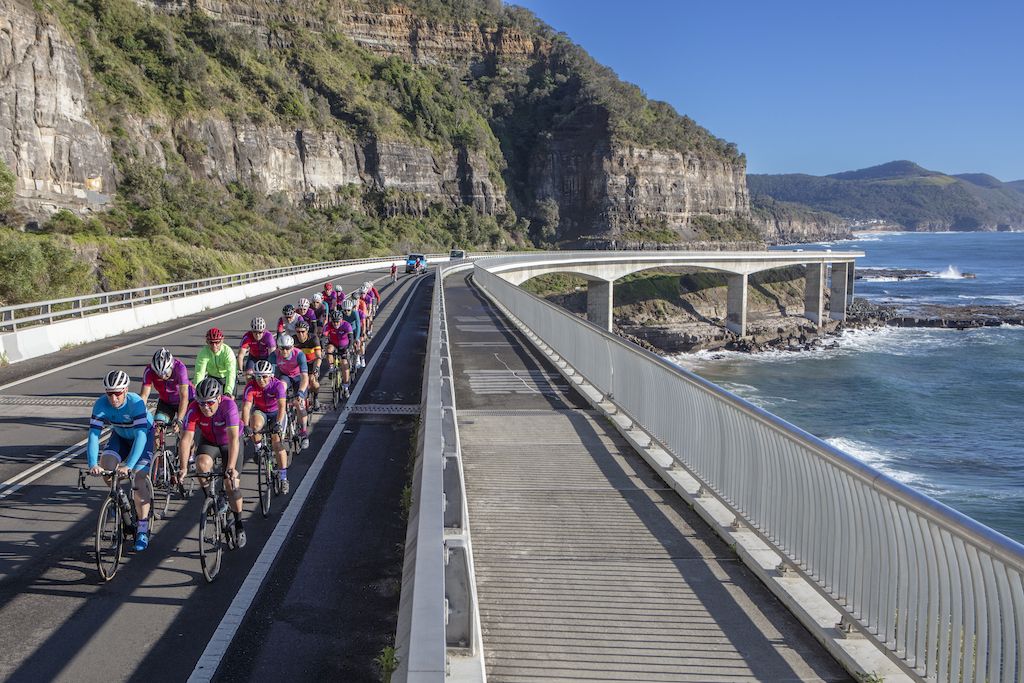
[
  {"x": 294, "y": 372},
  {"x": 258, "y": 344},
  {"x": 216, "y": 416},
  {"x": 339, "y": 338},
  {"x": 267, "y": 394},
  {"x": 169, "y": 377}
]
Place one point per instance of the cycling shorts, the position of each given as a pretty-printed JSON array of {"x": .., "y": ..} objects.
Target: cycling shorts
[
  {"x": 293, "y": 383},
  {"x": 121, "y": 448},
  {"x": 270, "y": 420},
  {"x": 217, "y": 452},
  {"x": 165, "y": 412}
]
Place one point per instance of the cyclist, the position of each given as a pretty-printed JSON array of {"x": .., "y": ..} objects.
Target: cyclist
[
  {"x": 268, "y": 394},
  {"x": 309, "y": 344},
  {"x": 216, "y": 360},
  {"x": 319, "y": 308},
  {"x": 350, "y": 314},
  {"x": 286, "y": 323},
  {"x": 258, "y": 344},
  {"x": 394, "y": 272},
  {"x": 294, "y": 372},
  {"x": 170, "y": 377},
  {"x": 370, "y": 297},
  {"x": 305, "y": 312},
  {"x": 130, "y": 446},
  {"x": 216, "y": 415},
  {"x": 359, "y": 305},
  {"x": 340, "y": 337}
]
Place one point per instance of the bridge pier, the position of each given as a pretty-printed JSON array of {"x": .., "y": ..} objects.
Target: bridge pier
[
  {"x": 840, "y": 290},
  {"x": 814, "y": 293},
  {"x": 599, "y": 303},
  {"x": 736, "y": 310}
]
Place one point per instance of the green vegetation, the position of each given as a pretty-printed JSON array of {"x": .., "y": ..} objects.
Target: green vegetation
[
  {"x": 6, "y": 191},
  {"x": 387, "y": 662},
  {"x": 34, "y": 267},
  {"x": 900, "y": 192}
]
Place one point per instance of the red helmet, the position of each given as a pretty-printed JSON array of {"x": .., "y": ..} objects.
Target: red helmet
[
  {"x": 214, "y": 334},
  {"x": 329, "y": 286}
]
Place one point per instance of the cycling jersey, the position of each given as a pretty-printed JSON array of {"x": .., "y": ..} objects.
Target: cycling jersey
[
  {"x": 309, "y": 316},
  {"x": 265, "y": 398},
  {"x": 222, "y": 365},
  {"x": 130, "y": 424},
  {"x": 259, "y": 345},
  {"x": 215, "y": 427},
  {"x": 167, "y": 389},
  {"x": 362, "y": 307},
  {"x": 333, "y": 298},
  {"x": 309, "y": 347},
  {"x": 367, "y": 300},
  {"x": 337, "y": 336},
  {"x": 287, "y": 326},
  {"x": 291, "y": 365},
  {"x": 355, "y": 323},
  {"x": 320, "y": 313},
  {"x": 375, "y": 292}
]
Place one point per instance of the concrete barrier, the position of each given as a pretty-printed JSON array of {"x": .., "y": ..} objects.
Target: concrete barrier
[{"x": 41, "y": 340}]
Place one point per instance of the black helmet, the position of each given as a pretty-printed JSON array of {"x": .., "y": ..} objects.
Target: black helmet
[
  {"x": 303, "y": 324},
  {"x": 208, "y": 390},
  {"x": 288, "y": 309},
  {"x": 336, "y": 315}
]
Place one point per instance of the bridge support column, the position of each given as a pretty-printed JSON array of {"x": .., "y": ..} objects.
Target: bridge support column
[
  {"x": 838, "y": 290},
  {"x": 814, "y": 294},
  {"x": 736, "y": 312},
  {"x": 599, "y": 303}
]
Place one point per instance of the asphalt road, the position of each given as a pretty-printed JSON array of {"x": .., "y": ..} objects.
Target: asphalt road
[{"x": 329, "y": 602}]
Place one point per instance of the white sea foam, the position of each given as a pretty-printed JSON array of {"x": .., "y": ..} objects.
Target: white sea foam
[
  {"x": 882, "y": 279},
  {"x": 950, "y": 273},
  {"x": 886, "y": 462}
]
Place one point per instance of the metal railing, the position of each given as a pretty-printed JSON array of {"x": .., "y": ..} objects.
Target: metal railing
[
  {"x": 941, "y": 591},
  {"x": 45, "y": 312}
]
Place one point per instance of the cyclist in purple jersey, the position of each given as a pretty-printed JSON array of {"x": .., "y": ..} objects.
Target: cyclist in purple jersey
[
  {"x": 294, "y": 371},
  {"x": 268, "y": 395},
  {"x": 321, "y": 311},
  {"x": 216, "y": 416},
  {"x": 258, "y": 344},
  {"x": 339, "y": 338},
  {"x": 169, "y": 377}
]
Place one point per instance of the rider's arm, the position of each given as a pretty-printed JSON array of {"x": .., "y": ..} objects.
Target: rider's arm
[
  {"x": 182, "y": 401},
  {"x": 232, "y": 447},
  {"x": 304, "y": 370},
  {"x": 184, "y": 446},
  {"x": 229, "y": 380},
  {"x": 281, "y": 406},
  {"x": 141, "y": 426},
  {"x": 92, "y": 450},
  {"x": 202, "y": 360}
]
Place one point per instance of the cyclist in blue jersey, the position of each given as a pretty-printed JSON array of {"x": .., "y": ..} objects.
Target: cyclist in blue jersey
[{"x": 130, "y": 446}]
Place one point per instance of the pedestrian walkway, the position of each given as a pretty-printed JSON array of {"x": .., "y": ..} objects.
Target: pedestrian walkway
[{"x": 588, "y": 566}]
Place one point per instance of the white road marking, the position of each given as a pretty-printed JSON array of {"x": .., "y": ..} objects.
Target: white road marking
[{"x": 215, "y": 650}]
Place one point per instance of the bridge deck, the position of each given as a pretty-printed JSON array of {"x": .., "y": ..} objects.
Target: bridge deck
[{"x": 588, "y": 567}]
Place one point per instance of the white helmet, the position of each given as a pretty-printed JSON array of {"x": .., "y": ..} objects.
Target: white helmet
[
  {"x": 286, "y": 341},
  {"x": 318, "y": 298},
  {"x": 263, "y": 368},
  {"x": 258, "y": 325},
  {"x": 347, "y": 305},
  {"x": 116, "y": 380},
  {"x": 162, "y": 363},
  {"x": 303, "y": 303},
  {"x": 367, "y": 285}
]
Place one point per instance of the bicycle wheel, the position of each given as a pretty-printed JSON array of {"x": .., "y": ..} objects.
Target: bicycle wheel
[
  {"x": 263, "y": 482},
  {"x": 109, "y": 539},
  {"x": 161, "y": 477},
  {"x": 210, "y": 547}
]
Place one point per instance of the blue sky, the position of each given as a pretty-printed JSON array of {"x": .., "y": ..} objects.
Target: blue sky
[{"x": 822, "y": 87}]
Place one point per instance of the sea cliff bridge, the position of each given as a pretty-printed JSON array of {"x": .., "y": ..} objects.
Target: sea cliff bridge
[{"x": 580, "y": 509}]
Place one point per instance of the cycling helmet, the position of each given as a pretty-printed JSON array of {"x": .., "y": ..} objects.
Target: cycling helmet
[
  {"x": 214, "y": 334},
  {"x": 303, "y": 324},
  {"x": 258, "y": 325},
  {"x": 303, "y": 303},
  {"x": 318, "y": 298},
  {"x": 263, "y": 368},
  {"x": 288, "y": 310},
  {"x": 347, "y": 305},
  {"x": 336, "y": 316},
  {"x": 116, "y": 380},
  {"x": 286, "y": 341},
  {"x": 162, "y": 363},
  {"x": 367, "y": 285},
  {"x": 208, "y": 390}
]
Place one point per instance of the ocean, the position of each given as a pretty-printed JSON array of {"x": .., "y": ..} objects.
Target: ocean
[{"x": 939, "y": 410}]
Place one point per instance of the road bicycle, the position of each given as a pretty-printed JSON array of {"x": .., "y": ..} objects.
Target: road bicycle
[
  {"x": 216, "y": 530},
  {"x": 338, "y": 391},
  {"x": 160, "y": 472},
  {"x": 267, "y": 482},
  {"x": 117, "y": 522}
]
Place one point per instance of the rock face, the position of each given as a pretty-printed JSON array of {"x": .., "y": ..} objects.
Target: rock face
[{"x": 58, "y": 156}]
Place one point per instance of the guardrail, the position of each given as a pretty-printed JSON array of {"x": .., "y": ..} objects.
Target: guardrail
[
  {"x": 438, "y": 630},
  {"x": 941, "y": 591},
  {"x": 46, "y": 312}
]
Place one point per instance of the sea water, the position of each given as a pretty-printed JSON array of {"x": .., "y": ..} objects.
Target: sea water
[{"x": 939, "y": 410}]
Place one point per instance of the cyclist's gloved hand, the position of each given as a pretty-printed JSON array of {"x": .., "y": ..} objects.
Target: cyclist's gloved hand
[
  {"x": 247, "y": 431},
  {"x": 177, "y": 425},
  {"x": 278, "y": 429}
]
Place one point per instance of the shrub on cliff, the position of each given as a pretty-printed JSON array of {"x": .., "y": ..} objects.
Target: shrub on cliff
[
  {"x": 34, "y": 267},
  {"x": 6, "y": 191}
]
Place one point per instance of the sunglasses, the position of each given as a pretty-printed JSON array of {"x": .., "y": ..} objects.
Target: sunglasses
[
  {"x": 207, "y": 404},
  {"x": 116, "y": 393}
]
